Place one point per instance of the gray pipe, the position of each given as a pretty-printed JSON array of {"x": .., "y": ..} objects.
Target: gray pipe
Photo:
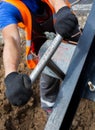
[{"x": 45, "y": 58}]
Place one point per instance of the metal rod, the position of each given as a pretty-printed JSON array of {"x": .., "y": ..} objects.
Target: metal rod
[
  {"x": 56, "y": 69},
  {"x": 75, "y": 2},
  {"x": 45, "y": 58}
]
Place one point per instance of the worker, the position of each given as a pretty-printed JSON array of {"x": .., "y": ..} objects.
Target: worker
[{"x": 35, "y": 17}]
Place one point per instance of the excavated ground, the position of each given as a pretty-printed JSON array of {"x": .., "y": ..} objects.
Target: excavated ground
[{"x": 31, "y": 116}]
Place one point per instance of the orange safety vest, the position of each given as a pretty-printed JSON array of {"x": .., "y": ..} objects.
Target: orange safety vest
[{"x": 27, "y": 26}]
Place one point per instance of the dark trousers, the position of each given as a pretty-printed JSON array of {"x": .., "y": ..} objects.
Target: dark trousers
[{"x": 49, "y": 88}]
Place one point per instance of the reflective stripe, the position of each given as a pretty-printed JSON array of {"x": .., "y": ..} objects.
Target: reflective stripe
[
  {"x": 30, "y": 57},
  {"x": 28, "y": 43},
  {"x": 47, "y": 103}
]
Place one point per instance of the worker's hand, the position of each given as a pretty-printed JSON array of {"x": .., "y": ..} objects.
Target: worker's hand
[
  {"x": 65, "y": 22},
  {"x": 18, "y": 88}
]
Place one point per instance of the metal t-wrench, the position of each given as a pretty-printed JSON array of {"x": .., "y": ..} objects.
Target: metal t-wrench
[{"x": 45, "y": 58}]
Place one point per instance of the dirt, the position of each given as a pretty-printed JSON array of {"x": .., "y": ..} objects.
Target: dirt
[
  {"x": 31, "y": 116},
  {"x": 28, "y": 117}
]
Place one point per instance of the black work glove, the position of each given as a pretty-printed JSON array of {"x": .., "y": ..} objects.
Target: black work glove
[
  {"x": 18, "y": 88},
  {"x": 65, "y": 22}
]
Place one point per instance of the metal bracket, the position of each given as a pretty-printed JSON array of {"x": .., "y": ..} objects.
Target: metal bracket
[{"x": 71, "y": 89}]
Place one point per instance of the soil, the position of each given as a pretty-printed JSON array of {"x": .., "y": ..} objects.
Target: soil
[
  {"x": 31, "y": 116},
  {"x": 28, "y": 117}
]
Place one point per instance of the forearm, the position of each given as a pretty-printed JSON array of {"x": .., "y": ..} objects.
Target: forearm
[
  {"x": 11, "y": 56},
  {"x": 58, "y": 4},
  {"x": 11, "y": 52}
]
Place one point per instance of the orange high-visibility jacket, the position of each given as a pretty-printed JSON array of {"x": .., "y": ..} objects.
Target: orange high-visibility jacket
[{"x": 27, "y": 26}]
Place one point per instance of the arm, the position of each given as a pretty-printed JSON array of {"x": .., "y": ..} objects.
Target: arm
[
  {"x": 57, "y": 4},
  {"x": 18, "y": 86},
  {"x": 65, "y": 21},
  {"x": 11, "y": 53}
]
